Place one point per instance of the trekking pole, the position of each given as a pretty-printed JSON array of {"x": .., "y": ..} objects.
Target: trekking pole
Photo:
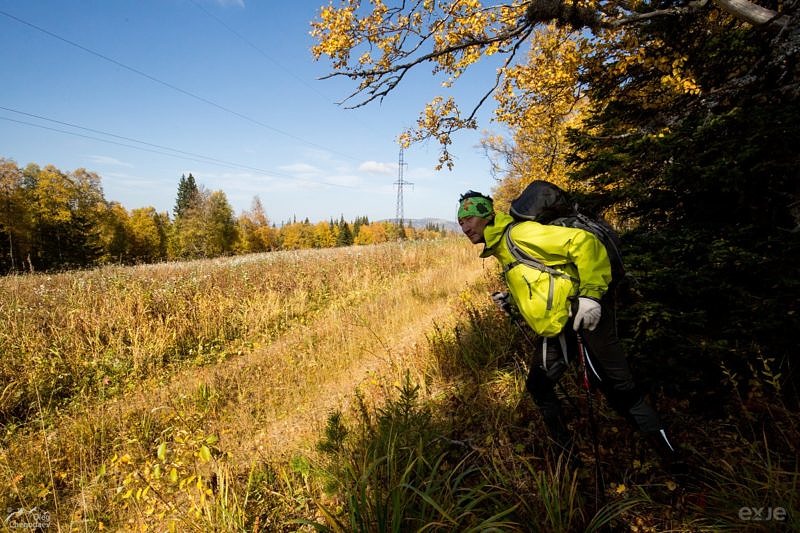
[
  {"x": 598, "y": 472},
  {"x": 524, "y": 333}
]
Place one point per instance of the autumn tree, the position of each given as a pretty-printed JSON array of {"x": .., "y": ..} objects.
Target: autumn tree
[
  {"x": 115, "y": 234},
  {"x": 148, "y": 235},
  {"x": 206, "y": 229},
  {"x": 265, "y": 231},
  {"x": 254, "y": 231},
  {"x": 50, "y": 207},
  {"x": 60, "y": 220},
  {"x": 400, "y": 232},
  {"x": 376, "y": 233},
  {"x": 296, "y": 236},
  {"x": 539, "y": 101},
  {"x": 357, "y": 223},
  {"x": 248, "y": 241},
  {"x": 324, "y": 236},
  {"x": 368, "y": 234},
  {"x": 378, "y": 45},
  {"x": 15, "y": 224},
  {"x": 220, "y": 225},
  {"x": 65, "y": 210}
]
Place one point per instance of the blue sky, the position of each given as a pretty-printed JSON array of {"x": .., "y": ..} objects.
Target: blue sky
[{"x": 229, "y": 80}]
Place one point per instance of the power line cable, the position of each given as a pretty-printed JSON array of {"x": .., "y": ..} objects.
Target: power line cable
[
  {"x": 174, "y": 87},
  {"x": 189, "y": 157},
  {"x": 162, "y": 147},
  {"x": 269, "y": 57},
  {"x": 256, "y": 48}
]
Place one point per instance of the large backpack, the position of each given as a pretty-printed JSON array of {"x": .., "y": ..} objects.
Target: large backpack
[{"x": 546, "y": 203}]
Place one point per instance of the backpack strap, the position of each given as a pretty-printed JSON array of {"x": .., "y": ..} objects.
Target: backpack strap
[
  {"x": 520, "y": 257},
  {"x": 562, "y": 339},
  {"x": 599, "y": 229}
]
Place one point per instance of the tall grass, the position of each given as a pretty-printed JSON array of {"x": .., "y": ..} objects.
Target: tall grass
[
  {"x": 95, "y": 333},
  {"x": 250, "y": 353},
  {"x": 391, "y": 357},
  {"x": 398, "y": 474},
  {"x": 475, "y": 433}
]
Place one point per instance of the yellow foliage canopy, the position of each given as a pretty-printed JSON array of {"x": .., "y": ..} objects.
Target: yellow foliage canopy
[{"x": 376, "y": 44}]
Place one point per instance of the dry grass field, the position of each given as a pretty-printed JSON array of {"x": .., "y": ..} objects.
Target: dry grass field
[
  {"x": 370, "y": 388},
  {"x": 133, "y": 398}
]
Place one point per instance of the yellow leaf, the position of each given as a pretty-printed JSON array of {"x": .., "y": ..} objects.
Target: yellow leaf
[
  {"x": 671, "y": 485},
  {"x": 162, "y": 451},
  {"x": 622, "y": 488},
  {"x": 205, "y": 453},
  {"x": 173, "y": 475}
]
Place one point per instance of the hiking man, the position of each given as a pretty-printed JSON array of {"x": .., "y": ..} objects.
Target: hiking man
[{"x": 565, "y": 302}]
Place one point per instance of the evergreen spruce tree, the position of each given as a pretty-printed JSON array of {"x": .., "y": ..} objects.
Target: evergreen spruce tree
[
  {"x": 345, "y": 237},
  {"x": 187, "y": 195}
]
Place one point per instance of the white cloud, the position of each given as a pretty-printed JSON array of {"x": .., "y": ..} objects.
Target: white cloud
[
  {"x": 301, "y": 169},
  {"x": 427, "y": 173},
  {"x": 374, "y": 167},
  {"x": 123, "y": 179},
  {"x": 105, "y": 160}
]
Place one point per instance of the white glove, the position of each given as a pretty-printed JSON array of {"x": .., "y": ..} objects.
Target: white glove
[
  {"x": 503, "y": 301},
  {"x": 588, "y": 315}
]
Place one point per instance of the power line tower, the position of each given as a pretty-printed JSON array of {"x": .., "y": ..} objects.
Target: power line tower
[{"x": 400, "y": 184}]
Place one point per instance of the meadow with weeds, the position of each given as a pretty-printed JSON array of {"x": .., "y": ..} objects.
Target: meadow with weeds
[
  {"x": 223, "y": 359},
  {"x": 358, "y": 389},
  {"x": 465, "y": 450}
]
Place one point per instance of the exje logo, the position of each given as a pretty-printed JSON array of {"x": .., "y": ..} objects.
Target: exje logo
[{"x": 762, "y": 514}]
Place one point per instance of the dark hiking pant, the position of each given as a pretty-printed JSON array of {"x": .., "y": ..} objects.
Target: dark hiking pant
[{"x": 607, "y": 368}]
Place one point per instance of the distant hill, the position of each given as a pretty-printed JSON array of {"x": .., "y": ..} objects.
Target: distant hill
[{"x": 448, "y": 225}]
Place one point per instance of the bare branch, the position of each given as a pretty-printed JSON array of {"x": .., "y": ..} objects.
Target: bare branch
[
  {"x": 639, "y": 17},
  {"x": 498, "y": 77},
  {"x": 752, "y": 13}
]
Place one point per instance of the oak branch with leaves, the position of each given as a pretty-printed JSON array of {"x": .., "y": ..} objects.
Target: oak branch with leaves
[{"x": 377, "y": 43}]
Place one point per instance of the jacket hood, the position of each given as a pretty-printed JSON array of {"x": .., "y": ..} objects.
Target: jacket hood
[{"x": 493, "y": 233}]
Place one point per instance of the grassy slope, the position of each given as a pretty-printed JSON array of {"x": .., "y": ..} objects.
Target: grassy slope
[
  {"x": 435, "y": 431},
  {"x": 355, "y": 314}
]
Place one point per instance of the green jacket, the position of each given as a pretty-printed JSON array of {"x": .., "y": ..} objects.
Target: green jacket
[{"x": 542, "y": 298}]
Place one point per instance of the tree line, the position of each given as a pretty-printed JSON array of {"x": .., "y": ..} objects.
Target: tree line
[{"x": 53, "y": 220}]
